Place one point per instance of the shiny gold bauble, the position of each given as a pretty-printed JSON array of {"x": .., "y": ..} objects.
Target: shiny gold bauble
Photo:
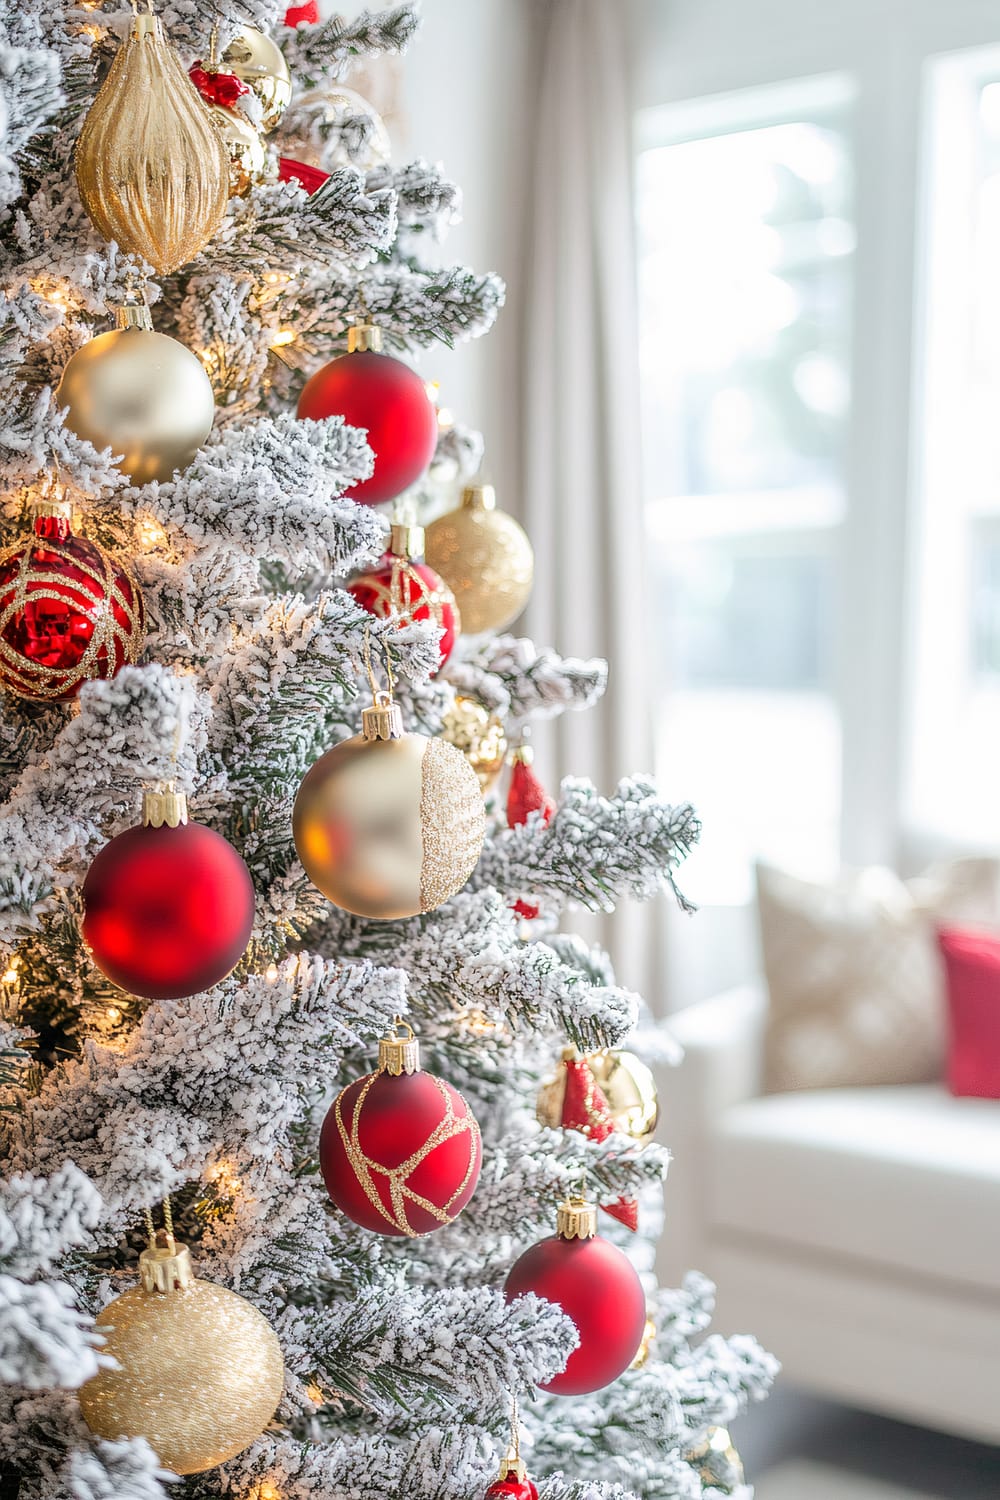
[
  {"x": 627, "y": 1084},
  {"x": 645, "y": 1346},
  {"x": 479, "y": 735},
  {"x": 201, "y": 1370},
  {"x": 326, "y": 112},
  {"x": 141, "y": 394},
  {"x": 389, "y": 825},
  {"x": 485, "y": 558},
  {"x": 255, "y": 58},
  {"x": 151, "y": 169},
  {"x": 718, "y": 1464},
  {"x": 245, "y": 149}
]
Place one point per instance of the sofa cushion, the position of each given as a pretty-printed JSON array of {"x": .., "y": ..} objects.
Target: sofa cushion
[
  {"x": 906, "y": 1177},
  {"x": 972, "y": 967}
]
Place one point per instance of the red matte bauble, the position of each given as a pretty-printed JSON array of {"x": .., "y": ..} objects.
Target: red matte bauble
[
  {"x": 512, "y": 1489},
  {"x": 69, "y": 614},
  {"x": 224, "y": 89},
  {"x": 598, "y": 1286},
  {"x": 311, "y": 178},
  {"x": 167, "y": 911},
  {"x": 389, "y": 400},
  {"x": 413, "y": 591},
  {"x": 296, "y": 14},
  {"x": 400, "y": 1154}
]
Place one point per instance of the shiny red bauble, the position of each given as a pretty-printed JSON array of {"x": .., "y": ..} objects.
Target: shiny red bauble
[
  {"x": 400, "y": 1154},
  {"x": 309, "y": 177},
  {"x": 69, "y": 613},
  {"x": 224, "y": 89},
  {"x": 513, "y": 1488},
  {"x": 402, "y": 586},
  {"x": 167, "y": 911},
  {"x": 389, "y": 400},
  {"x": 599, "y": 1288}
]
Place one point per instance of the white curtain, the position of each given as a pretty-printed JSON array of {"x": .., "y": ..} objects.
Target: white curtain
[{"x": 580, "y": 420}]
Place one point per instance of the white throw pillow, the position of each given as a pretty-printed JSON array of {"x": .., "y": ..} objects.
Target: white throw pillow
[{"x": 855, "y": 979}]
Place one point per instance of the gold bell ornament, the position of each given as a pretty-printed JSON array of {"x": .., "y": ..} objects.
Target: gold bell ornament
[
  {"x": 254, "y": 57},
  {"x": 389, "y": 824},
  {"x": 150, "y": 166},
  {"x": 200, "y": 1370},
  {"x": 141, "y": 394},
  {"x": 479, "y": 735},
  {"x": 485, "y": 558}
]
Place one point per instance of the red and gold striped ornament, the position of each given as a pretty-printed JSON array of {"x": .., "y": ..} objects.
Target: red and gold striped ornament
[
  {"x": 404, "y": 586},
  {"x": 70, "y": 613},
  {"x": 400, "y": 1150}
]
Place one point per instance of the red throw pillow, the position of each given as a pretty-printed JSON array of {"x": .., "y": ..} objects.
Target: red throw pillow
[{"x": 972, "y": 968}]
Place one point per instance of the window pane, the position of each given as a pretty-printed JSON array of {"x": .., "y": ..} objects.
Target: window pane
[{"x": 746, "y": 242}]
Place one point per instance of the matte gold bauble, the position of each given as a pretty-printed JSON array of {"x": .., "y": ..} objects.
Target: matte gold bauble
[
  {"x": 151, "y": 169},
  {"x": 479, "y": 735},
  {"x": 389, "y": 824},
  {"x": 718, "y": 1463},
  {"x": 201, "y": 1370},
  {"x": 485, "y": 558},
  {"x": 141, "y": 394},
  {"x": 244, "y": 147},
  {"x": 626, "y": 1083},
  {"x": 255, "y": 58}
]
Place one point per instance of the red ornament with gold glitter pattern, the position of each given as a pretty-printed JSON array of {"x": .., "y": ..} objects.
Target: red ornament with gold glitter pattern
[
  {"x": 406, "y": 587},
  {"x": 69, "y": 612},
  {"x": 597, "y": 1286},
  {"x": 400, "y": 1150}
]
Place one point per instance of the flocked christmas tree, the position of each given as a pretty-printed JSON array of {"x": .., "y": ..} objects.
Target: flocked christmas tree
[{"x": 188, "y": 989}]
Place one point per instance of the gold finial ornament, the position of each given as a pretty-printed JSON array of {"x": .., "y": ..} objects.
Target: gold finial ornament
[
  {"x": 399, "y": 1054},
  {"x": 199, "y": 1371},
  {"x": 485, "y": 558},
  {"x": 150, "y": 166},
  {"x": 576, "y": 1219}
]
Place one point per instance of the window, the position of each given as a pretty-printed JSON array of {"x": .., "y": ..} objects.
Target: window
[{"x": 745, "y": 282}]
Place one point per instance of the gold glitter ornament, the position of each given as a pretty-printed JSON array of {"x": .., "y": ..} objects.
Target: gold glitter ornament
[
  {"x": 718, "y": 1463},
  {"x": 201, "y": 1370},
  {"x": 479, "y": 735},
  {"x": 245, "y": 149},
  {"x": 389, "y": 824},
  {"x": 485, "y": 558},
  {"x": 151, "y": 169},
  {"x": 141, "y": 394},
  {"x": 255, "y": 58}
]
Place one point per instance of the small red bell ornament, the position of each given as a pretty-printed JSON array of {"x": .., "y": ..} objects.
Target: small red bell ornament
[
  {"x": 404, "y": 586},
  {"x": 168, "y": 906},
  {"x": 389, "y": 400},
  {"x": 597, "y": 1286},
  {"x": 69, "y": 612},
  {"x": 400, "y": 1150}
]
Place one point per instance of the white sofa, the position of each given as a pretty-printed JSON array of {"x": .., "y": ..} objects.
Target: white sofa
[{"x": 855, "y": 1231}]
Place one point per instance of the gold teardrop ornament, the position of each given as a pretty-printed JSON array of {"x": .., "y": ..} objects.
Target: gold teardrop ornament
[{"x": 151, "y": 167}]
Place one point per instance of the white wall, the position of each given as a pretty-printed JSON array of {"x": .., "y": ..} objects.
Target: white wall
[{"x": 465, "y": 87}]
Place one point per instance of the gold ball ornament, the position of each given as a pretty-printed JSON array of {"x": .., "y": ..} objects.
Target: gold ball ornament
[
  {"x": 150, "y": 167},
  {"x": 352, "y": 132},
  {"x": 201, "y": 1370},
  {"x": 389, "y": 824},
  {"x": 628, "y": 1087},
  {"x": 485, "y": 558},
  {"x": 718, "y": 1463},
  {"x": 141, "y": 394},
  {"x": 245, "y": 149},
  {"x": 479, "y": 735},
  {"x": 258, "y": 60}
]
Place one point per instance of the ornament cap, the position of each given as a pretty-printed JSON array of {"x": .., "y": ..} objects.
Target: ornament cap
[
  {"x": 134, "y": 314},
  {"x": 145, "y": 24},
  {"x": 479, "y": 497},
  {"x": 383, "y": 720},
  {"x": 163, "y": 806},
  {"x": 165, "y": 1266},
  {"x": 52, "y": 506},
  {"x": 399, "y": 1054},
  {"x": 522, "y": 755},
  {"x": 577, "y": 1219},
  {"x": 364, "y": 338},
  {"x": 406, "y": 540},
  {"x": 512, "y": 1466}
]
